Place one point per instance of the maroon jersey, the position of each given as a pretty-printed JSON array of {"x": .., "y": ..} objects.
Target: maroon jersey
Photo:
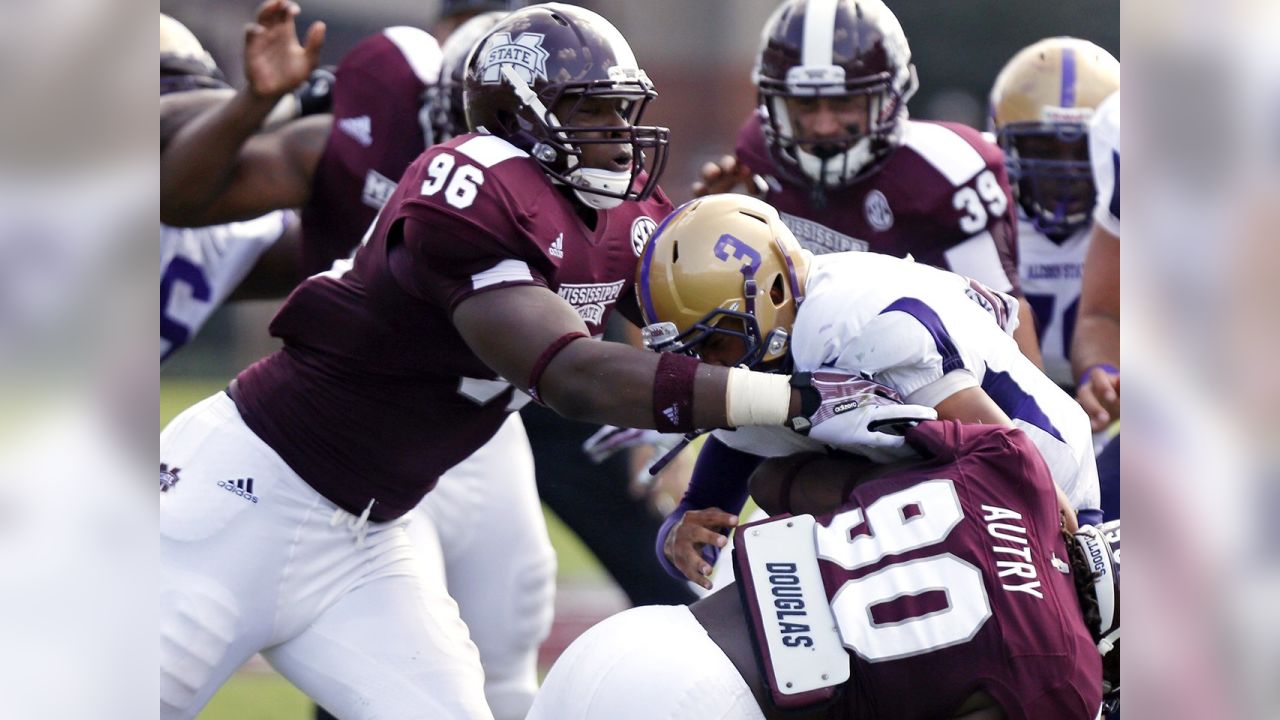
[
  {"x": 950, "y": 577},
  {"x": 376, "y": 133},
  {"x": 943, "y": 197},
  {"x": 375, "y": 394}
]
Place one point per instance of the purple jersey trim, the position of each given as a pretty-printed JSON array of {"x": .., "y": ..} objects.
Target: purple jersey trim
[
  {"x": 1068, "y": 78},
  {"x": 1015, "y": 401},
  {"x": 951, "y": 359}
]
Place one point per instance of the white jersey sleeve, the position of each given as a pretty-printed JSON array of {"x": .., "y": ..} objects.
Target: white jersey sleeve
[
  {"x": 1104, "y": 152},
  {"x": 201, "y": 267}
]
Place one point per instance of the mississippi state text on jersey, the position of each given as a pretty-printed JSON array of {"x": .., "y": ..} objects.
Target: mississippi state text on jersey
[
  {"x": 375, "y": 394},
  {"x": 943, "y": 197}
]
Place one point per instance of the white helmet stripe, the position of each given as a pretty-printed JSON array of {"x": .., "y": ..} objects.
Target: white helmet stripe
[
  {"x": 420, "y": 50},
  {"x": 819, "y": 32}
]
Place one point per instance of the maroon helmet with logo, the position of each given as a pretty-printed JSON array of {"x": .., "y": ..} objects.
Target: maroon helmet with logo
[
  {"x": 834, "y": 49},
  {"x": 536, "y": 57}
]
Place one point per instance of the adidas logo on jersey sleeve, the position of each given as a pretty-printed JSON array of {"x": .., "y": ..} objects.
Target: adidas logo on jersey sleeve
[{"x": 358, "y": 128}]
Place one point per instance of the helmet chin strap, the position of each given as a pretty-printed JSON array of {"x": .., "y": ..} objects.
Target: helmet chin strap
[{"x": 597, "y": 179}]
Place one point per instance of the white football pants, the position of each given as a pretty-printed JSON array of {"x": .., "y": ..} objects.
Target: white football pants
[
  {"x": 253, "y": 559},
  {"x": 654, "y": 662},
  {"x": 498, "y": 561}
]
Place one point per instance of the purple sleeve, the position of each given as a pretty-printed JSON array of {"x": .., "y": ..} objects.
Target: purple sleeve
[{"x": 719, "y": 480}]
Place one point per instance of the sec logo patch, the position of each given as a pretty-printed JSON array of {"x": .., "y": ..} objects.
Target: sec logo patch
[
  {"x": 641, "y": 230},
  {"x": 879, "y": 216}
]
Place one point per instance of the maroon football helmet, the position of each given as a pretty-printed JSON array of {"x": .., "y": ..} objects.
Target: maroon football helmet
[
  {"x": 542, "y": 54},
  {"x": 834, "y": 50}
]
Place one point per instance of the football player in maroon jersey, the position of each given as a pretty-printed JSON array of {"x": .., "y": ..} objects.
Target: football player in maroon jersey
[
  {"x": 496, "y": 258},
  {"x": 338, "y": 167},
  {"x": 942, "y": 587},
  {"x": 378, "y": 129},
  {"x": 831, "y": 147}
]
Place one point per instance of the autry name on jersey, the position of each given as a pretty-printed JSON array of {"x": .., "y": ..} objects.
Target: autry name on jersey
[
  {"x": 1001, "y": 525},
  {"x": 591, "y": 300}
]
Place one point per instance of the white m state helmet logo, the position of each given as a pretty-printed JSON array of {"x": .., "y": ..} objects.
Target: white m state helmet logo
[{"x": 525, "y": 56}]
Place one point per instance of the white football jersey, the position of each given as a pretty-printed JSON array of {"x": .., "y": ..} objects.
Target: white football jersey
[
  {"x": 200, "y": 267},
  {"x": 918, "y": 330},
  {"x": 1104, "y": 153},
  {"x": 1050, "y": 274}
]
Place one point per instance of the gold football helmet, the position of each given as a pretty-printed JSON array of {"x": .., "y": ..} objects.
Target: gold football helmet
[
  {"x": 722, "y": 264},
  {"x": 1040, "y": 108}
]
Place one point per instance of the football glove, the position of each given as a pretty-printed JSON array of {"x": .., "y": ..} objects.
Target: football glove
[{"x": 855, "y": 414}]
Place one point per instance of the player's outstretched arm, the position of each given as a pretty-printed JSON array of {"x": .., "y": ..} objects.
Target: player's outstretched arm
[
  {"x": 535, "y": 339},
  {"x": 1095, "y": 347},
  {"x": 512, "y": 329},
  {"x": 177, "y": 110},
  {"x": 208, "y": 172}
]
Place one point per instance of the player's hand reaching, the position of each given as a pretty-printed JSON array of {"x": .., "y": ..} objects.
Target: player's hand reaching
[
  {"x": 1099, "y": 395},
  {"x": 695, "y": 541},
  {"x": 274, "y": 62},
  {"x": 723, "y": 177},
  {"x": 852, "y": 413}
]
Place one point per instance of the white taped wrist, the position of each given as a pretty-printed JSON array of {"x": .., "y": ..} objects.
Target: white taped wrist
[{"x": 755, "y": 398}]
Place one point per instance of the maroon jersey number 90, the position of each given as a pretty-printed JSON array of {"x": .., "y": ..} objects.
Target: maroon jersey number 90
[{"x": 917, "y": 517}]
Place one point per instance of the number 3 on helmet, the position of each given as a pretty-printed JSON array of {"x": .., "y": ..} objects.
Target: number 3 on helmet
[{"x": 722, "y": 264}]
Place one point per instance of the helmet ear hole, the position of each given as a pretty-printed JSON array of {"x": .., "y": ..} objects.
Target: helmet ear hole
[
  {"x": 675, "y": 252},
  {"x": 777, "y": 291}
]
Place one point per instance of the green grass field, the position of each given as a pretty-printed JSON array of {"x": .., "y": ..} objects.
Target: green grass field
[{"x": 264, "y": 695}]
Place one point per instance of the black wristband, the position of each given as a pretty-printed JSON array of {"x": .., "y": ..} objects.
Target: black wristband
[{"x": 809, "y": 397}]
